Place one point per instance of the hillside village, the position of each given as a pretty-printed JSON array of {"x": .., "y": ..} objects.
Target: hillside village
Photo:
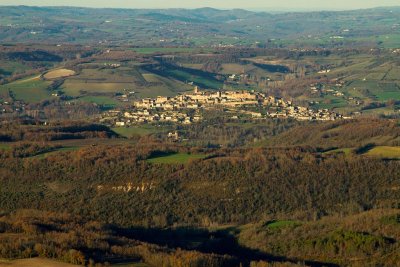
[{"x": 179, "y": 109}]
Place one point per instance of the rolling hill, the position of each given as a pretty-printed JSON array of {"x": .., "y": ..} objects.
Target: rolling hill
[{"x": 190, "y": 27}]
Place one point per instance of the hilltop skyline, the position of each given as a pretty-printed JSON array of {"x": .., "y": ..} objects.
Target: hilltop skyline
[{"x": 291, "y": 5}]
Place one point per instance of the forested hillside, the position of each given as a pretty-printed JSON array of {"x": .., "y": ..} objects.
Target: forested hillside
[{"x": 118, "y": 185}]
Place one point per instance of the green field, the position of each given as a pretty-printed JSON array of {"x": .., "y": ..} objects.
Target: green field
[
  {"x": 178, "y": 158},
  {"x": 7, "y": 68},
  {"x": 111, "y": 81},
  {"x": 389, "y": 152},
  {"x": 30, "y": 90},
  {"x": 137, "y": 130},
  {"x": 77, "y": 88},
  {"x": 162, "y": 86},
  {"x": 106, "y": 75},
  {"x": 388, "y": 91},
  {"x": 368, "y": 78},
  {"x": 385, "y": 41},
  {"x": 330, "y": 102},
  {"x": 105, "y": 101},
  {"x": 281, "y": 224},
  {"x": 201, "y": 80},
  {"x": 4, "y": 146}
]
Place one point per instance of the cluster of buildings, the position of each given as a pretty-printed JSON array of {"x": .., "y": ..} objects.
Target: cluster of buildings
[
  {"x": 127, "y": 118},
  {"x": 319, "y": 89},
  {"x": 11, "y": 107},
  {"x": 185, "y": 108},
  {"x": 306, "y": 114},
  {"x": 207, "y": 99}
]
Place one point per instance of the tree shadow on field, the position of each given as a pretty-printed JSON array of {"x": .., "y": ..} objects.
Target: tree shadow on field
[{"x": 222, "y": 242}]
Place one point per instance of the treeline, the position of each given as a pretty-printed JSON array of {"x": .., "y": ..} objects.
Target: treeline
[
  {"x": 236, "y": 55},
  {"x": 57, "y": 131},
  {"x": 56, "y": 109},
  {"x": 343, "y": 133},
  {"x": 65, "y": 51},
  {"x": 27, "y": 149},
  {"x": 63, "y": 109}
]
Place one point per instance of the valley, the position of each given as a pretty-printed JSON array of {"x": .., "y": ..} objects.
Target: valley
[{"x": 199, "y": 137}]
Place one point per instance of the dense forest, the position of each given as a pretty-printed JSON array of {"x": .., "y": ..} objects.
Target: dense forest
[
  {"x": 117, "y": 186},
  {"x": 29, "y": 130},
  {"x": 94, "y": 182}
]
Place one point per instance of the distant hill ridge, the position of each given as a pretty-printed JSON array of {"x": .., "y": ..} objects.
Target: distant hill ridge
[{"x": 191, "y": 26}]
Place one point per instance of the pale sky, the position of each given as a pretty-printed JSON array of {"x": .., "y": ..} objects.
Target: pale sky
[{"x": 222, "y": 4}]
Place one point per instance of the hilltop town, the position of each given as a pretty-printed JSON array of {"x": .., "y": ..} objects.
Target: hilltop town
[{"x": 179, "y": 109}]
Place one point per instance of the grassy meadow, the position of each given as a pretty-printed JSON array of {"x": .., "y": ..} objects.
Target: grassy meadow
[
  {"x": 137, "y": 130},
  {"x": 31, "y": 90}
]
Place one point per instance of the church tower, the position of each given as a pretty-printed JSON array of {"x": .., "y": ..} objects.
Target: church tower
[{"x": 196, "y": 90}]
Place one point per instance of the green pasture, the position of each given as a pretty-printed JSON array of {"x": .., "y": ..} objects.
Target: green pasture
[
  {"x": 12, "y": 67},
  {"x": 31, "y": 90},
  {"x": 4, "y": 146},
  {"x": 77, "y": 88},
  {"x": 100, "y": 100},
  {"x": 205, "y": 82},
  {"x": 136, "y": 130}
]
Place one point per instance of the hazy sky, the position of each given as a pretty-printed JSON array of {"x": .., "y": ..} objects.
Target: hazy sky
[{"x": 225, "y": 4}]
